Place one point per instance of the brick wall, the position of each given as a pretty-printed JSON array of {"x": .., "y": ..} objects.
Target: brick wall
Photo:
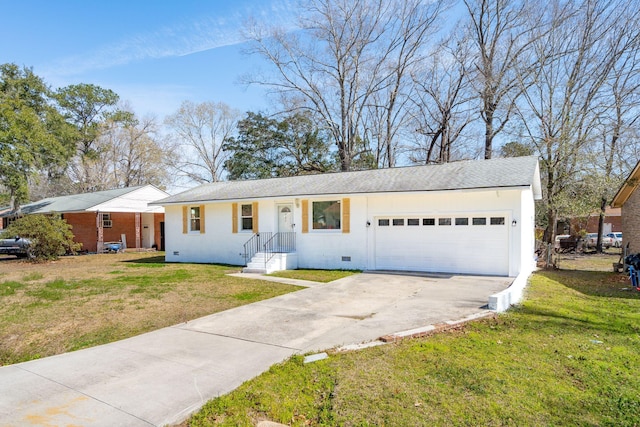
[
  {"x": 631, "y": 222},
  {"x": 123, "y": 223},
  {"x": 614, "y": 220},
  {"x": 85, "y": 231}
]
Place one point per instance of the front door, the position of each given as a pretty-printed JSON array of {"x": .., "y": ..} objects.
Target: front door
[
  {"x": 285, "y": 218},
  {"x": 286, "y": 238}
]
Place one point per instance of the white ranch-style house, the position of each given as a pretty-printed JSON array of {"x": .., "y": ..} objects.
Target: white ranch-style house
[{"x": 469, "y": 217}]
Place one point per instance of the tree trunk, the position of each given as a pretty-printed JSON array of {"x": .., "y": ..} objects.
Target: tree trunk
[
  {"x": 550, "y": 231},
  {"x": 488, "y": 134},
  {"x": 345, "y": 160},
  {"x": 603, "y": 207}
]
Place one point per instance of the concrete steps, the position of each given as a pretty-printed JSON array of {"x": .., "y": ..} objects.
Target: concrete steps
[{"x": 278, "y": 262}]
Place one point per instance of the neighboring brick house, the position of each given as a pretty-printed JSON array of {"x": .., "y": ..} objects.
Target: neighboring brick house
[
  {"x": 577, "y": 225},
  {"x": 612, "y": 221},
  {"x": 105, "y": 216},
  {"x": 628, "y": 199}
]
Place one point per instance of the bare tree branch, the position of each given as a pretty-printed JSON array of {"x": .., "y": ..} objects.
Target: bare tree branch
[
  {"x": 348, "y": 65},
  {"x": 199, "y": 132}
]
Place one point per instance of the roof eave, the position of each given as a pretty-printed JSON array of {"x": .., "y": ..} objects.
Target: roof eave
[
  {"x": 627, "y": 188},
  {"x": 380, "y": 193},
  {"x": 536, "y": 186}
]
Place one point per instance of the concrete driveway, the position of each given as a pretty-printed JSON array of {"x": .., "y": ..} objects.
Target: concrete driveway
[{"x": 161, "y": 377}]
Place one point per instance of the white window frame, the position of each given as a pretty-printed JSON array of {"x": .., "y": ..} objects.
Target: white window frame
[
  {"x": 313, "y": 217},
  {"x": 107, "y": 222},
  {"x": 193, "y": 218},
  {"x": 243, "y": 217}
]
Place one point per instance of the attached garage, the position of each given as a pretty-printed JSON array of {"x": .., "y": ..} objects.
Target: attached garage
[
  {"x": 468, "y": 217},
  {"x": 477, "y": 243}
]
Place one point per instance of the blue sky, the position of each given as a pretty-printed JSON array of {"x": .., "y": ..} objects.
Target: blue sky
[{"x": 154, "y": 54}]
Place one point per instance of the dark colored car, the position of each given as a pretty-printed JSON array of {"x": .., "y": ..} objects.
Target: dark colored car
[{"x": 16, "y": 246}]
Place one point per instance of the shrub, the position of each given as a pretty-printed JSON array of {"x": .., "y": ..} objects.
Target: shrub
[{"x": 50, "y": 235}]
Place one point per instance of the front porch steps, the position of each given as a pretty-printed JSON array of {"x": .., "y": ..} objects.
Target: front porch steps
[{"x": 278, "y": 262}]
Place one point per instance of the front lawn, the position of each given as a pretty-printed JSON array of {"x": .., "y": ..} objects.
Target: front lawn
[
  {"x": 567, "y": 356},
  {"x": 82, "y": 301}
]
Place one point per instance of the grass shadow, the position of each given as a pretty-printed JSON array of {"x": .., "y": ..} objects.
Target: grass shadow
[
  {"x": 150, "y": 260},
  {"x": 591, "y": 322},
  {"x": 594, "y": 283}
]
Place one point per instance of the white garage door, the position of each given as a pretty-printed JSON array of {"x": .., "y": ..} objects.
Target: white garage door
[{"x": 474, "y": 244}]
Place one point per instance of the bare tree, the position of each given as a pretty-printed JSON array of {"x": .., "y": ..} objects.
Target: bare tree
[
  {"x": 136, "y": 155},
  {"x": 503, "y": 32},
  {"x": 93, "y": 173},
  {"x": 441, "y": 107},
  {"x": 199, "y": 132},
  {"x": 350, "y": 57},
  {"x": 622, "y": 115},
  {"x": 413, "y": 26},
  {"x": 127, "y": 153},
  {"x": 561, "y": 110}
]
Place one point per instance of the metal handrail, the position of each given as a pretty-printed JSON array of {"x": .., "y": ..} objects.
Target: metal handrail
[
  {"x": 279, "y": 243},
  {"x": 254, "y": 244}
]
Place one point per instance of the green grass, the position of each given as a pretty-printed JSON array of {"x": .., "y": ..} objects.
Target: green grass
[
  {"x": 32, "y": 277},
  {"x": 104, "y": 334},
  {"x": 9, "y": 287},
  {"x": 567, "y": 356},
  {"x": 323, "y": 276},
  {"x": 147, "y": 265},
  {"x": 106, "y": 298},
  {"x": 247, "y": 296}
]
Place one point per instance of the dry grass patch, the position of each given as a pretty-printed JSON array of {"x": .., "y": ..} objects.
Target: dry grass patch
[
  {"x": 589, "y": 261},
  {"x": 82, "y": 301}
]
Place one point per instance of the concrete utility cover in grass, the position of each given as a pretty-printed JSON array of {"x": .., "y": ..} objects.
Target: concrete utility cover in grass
[
  {"x": 315, "y": 357},
  {"x": 270, "y": 424},
  {"x": 161, "y": 377}
]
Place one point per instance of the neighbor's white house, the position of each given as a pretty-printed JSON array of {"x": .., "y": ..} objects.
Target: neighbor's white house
[{"x": 474, "y": 217}]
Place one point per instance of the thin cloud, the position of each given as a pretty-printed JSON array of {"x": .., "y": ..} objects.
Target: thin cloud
[{"x": 180, "y": 39}]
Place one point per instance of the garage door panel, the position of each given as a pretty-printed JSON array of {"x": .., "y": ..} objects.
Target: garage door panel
[{"x": 473, "y": 249}]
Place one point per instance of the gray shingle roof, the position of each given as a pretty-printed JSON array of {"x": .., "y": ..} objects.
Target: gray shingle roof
[
  {"x": 72, "y": 203},
  {"x": 470, "y": 174}
]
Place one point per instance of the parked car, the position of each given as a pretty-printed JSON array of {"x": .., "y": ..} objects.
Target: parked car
[
  {"x": 617, "y": 239},
  {"x": 16, "y": 246},
  {"x": 591, "y": 240}
]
